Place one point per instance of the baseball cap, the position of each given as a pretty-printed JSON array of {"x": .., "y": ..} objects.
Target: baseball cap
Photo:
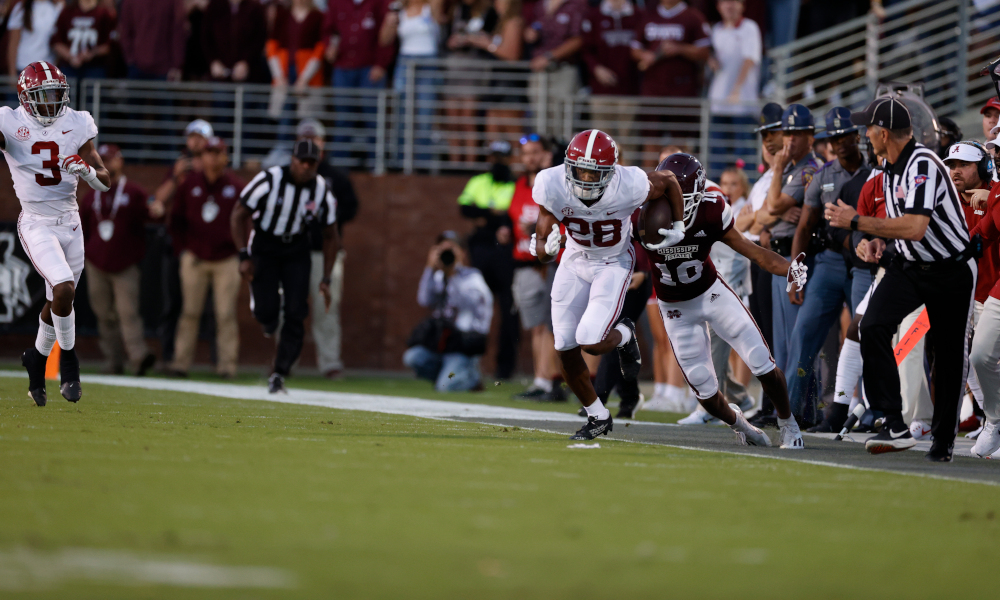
[
  {"x": 884, "y": 112},
  {"x": 448, "y": 234},
  {"x": 215, "y": 143},
  {"x": 797, "y": 118},
  {"x": 838, "y": 122},
  {"x": 310, "y": 128},
  {"x": 306, "y": 150},
  {"x": 770, "y": 117},
  {"x": 200, "y": 127},
  {"x": 964, "y": 152},
  {"x": 995, "y": 142},
  {"x": 108, "y": 151},
  {"x": 993, "y": 102},
  {"x": 500, "y": 147}
]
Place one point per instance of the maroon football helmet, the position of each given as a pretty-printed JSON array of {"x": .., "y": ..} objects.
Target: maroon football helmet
[
  {"x": 43, "y": 92},
  {"x": 691, "y": 175},
  {"x": 590, "y": 150}
]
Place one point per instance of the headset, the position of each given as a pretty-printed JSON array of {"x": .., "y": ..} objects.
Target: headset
[{"x": 985, "y": 164}]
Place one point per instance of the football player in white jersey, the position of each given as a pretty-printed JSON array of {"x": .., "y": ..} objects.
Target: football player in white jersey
[
  {"x": 594, "y": 197},
  {"x": 48, "y": 146}
]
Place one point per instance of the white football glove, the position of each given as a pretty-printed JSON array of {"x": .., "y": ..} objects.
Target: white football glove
[
  {"x": 671, "y": 237},
  {"x": 75, "y": 165},
  {"x": 797, "y": 273},
  {"x": 533, "y": 247},
  {"x": 554, "y": 241}
]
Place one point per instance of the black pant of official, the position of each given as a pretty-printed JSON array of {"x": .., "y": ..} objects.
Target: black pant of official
[
  {"x": 760, "y": 310},
  {"x": 946, "y": 289},
  {"x": 609, "y": 371},
  {"x": 285, "y": 266},
  {"x": 496, "y": 262}
]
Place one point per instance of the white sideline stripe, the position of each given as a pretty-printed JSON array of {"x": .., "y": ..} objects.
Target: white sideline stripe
[
  {"x": 434, "y": 409},
  {"x": 25, "y": 569}
]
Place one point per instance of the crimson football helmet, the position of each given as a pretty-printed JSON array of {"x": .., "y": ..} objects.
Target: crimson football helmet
[
  {"x": 593, "y": 151},
  {"x": 691, "y": 176},
  {"x": 43, "y": 92}
]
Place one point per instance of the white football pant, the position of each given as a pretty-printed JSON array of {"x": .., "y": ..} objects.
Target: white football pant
[
  {"x": 587, "y": 297},
  {"x": 55, "y": 246}
]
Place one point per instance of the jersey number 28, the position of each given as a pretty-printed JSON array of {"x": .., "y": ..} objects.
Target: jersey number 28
[
  {"x": 51, "y": 163},
  {"x": 603, "y": 233}
]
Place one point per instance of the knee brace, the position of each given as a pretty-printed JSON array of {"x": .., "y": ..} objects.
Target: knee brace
[{"x": 759, "y": 361}]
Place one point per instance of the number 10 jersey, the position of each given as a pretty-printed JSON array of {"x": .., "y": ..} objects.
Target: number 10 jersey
[
  {"x": 604, "y": 229},
  {"x": 32, "y": 152}
]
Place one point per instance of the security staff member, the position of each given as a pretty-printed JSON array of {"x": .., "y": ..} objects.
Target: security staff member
[
  {"x": 830, "y": 285},
  {"x": 934, "y": 266},
  {"x": 794, "y": 167},
  {"x": 283, "y": 202}
]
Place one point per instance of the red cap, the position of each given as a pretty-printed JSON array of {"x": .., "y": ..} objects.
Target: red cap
[
  {"x": 993, "y": 102},
  {"x": 108, "y": 151}
]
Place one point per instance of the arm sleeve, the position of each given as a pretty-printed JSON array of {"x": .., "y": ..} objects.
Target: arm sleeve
[
  {"x": 751, "y": 42},
  {"x": 89, "y": 126},
  {"x": 700, "y": 34},
  {"x": 468, "y": 195},
  {"x": 539, "y": 193},
  {"x": 922, "y": 183},
  {"x": 796, "y": 188},
  {"x": 812, "y": 192},
  {"x": 430, "y": 289},
  {"x": 987, "y": 226},
  {"x": 254, "y": 191},
  {"x": 478, "y": 299},
  {"x": 331, "y": 208}
]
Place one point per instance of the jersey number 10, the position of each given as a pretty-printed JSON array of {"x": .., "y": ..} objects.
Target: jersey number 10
[
  {"x": 687, "y": 272},
  {"x": 52, "y": 163}
]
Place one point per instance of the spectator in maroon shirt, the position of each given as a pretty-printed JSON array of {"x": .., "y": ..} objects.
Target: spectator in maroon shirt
[
  {"x": 83, "y": 39},
  {"x": 114, "y": 233},
  {"x": 199, "y": 225},
  {"x": 557, "y": 37},
  {"x": 673, "y": 43},
  {"x": 358, "y": 60},
  {"x": 233, "y": 36},
  {"x": 152, "y": 37},
  {"x": 608, "y": 33},
  {"x": 295, "y": 57}
]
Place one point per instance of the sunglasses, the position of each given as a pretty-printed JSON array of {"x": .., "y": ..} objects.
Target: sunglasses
[{"x": 531, "y": 137}]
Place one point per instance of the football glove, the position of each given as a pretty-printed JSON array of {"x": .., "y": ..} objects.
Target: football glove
[
  {"x": 797, "y": 273},
  {"x": 554, "y": 241},
  {"x": 533, "y": 247},
  {"x": 75, "y": 165},
  {"x": 671, "y": 237}
]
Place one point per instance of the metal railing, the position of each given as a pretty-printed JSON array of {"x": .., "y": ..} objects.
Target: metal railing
[
  {"x": 439, "y": 115},
  {"x": 940, "y": 43}
]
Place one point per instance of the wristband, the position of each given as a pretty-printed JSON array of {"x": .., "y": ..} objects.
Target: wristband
[
  {"x": 854, "y": 222},
  {"x": 244, "y": 254}
]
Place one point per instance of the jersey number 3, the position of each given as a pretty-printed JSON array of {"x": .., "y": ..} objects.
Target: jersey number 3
[
  {"x": 52, "y": 163},
  {"x": 604, "y": 233}
]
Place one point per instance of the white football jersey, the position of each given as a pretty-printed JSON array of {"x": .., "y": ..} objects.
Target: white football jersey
[
  {"x": 32, "y": 152},
  {"x": 604, "y": 229}
]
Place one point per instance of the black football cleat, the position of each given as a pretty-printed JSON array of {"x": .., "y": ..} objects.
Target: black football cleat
[
  {"x": 628, "y": 355},
  {"x": 893, "y": 437},
  {"x": 276, "y": 384},
  {"x": 940, "y": 452},
  {"x": 593, "y": 428},
  {"x": 34, "y": 362},
  {"x": 69, "y": 373},
  {"x": 630, "y": 396}
]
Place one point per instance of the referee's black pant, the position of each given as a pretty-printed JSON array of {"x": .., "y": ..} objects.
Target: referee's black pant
[
  {"x": 286, "y": 267},
  {"x": 947, "y": 291}
]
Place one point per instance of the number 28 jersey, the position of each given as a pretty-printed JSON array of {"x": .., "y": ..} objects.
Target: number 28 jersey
[
  {"x": 604, "y": 229},
  {"x": 32, "y": 152},
  {"x": 685, "y": 271}
]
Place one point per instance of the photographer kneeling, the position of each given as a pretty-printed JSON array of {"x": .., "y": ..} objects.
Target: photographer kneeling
[{"x": 445, "y": 347}]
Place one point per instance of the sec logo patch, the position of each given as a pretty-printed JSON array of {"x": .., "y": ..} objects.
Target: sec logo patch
[
  {"x": 22, "y": 133},
  {"x": 567, "y": 212}
]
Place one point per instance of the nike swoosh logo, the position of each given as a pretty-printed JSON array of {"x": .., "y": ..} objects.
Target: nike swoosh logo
[
  {"x": 611, "y": 212},
  {"x": 924, "y": 432},
  {"x": 67, "y": 131},
  {"x": 74, "y": 229},
  {"x": 900, "y": 434},
  {"x": 879, "y": 199}
]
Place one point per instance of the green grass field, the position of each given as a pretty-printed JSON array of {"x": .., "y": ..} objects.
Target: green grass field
[{"x": 338, "y": 504}]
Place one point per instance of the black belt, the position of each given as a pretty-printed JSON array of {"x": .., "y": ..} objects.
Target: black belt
[
  {"x": 945, "y": 264},
  {"x": 782, "y": 246},
  {"x": 285, "y": 238}
]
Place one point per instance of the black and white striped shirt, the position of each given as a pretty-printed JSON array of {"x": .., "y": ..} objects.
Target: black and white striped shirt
[
  {"x": 281, "y": 207},
  {"x": 918, "y": 183}
]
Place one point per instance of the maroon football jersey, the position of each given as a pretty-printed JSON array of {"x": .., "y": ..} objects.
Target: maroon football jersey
[
  {"x": 675, "y": 76},
  {"x": 685, "y": 271}
]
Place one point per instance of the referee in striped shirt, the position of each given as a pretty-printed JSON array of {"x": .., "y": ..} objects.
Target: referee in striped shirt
[
  {"x": 282, "y": 202},
  {"x": 934, "y": 266}
]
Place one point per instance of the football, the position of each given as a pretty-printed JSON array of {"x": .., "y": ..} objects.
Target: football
[{"x": 654, "y": 215}]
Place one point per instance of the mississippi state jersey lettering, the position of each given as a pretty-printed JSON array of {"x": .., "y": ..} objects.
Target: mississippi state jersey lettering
[
  {"x": 32, "y": 153},
  {"x": 685, "y": 271},
  {"x": 603, "y": 230}
]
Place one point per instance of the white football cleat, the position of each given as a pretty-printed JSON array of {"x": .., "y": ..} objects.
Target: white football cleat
[
  {"x": 791, "y": 436},
  {"x": 747, "y": 434},
  {"x": 988, "y": 441},
  {"x": 920, "y": 430},
  {"x": 699, "y": 417},
  {"x": 658, "y": 404}
]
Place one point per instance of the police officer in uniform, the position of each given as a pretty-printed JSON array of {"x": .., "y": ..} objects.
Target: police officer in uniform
[{"x": 282, "y": 203}]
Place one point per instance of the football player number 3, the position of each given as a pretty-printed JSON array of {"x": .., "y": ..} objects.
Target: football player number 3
[
  {"x": 602, "y": 233},
  {"x": 687, "y": 272},
  {"x": 51, "y": 163}
]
